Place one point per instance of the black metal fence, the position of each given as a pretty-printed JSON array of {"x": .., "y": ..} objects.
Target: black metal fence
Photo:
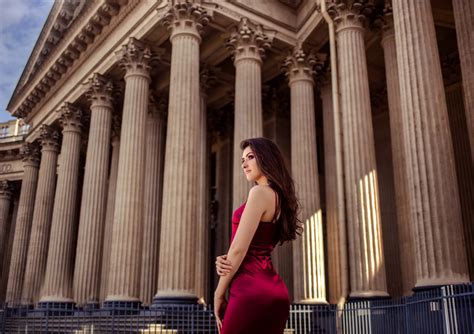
[{"x": 447, "y": 310}]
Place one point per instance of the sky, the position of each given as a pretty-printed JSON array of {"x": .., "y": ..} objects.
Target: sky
[{"x": 21, "y": 22}]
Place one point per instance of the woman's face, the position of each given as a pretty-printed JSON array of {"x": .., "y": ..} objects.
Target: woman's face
[{"x": 249, "y": 165}]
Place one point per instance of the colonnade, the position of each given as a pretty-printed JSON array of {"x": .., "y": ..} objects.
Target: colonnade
[{"x": 144, "y": 193}]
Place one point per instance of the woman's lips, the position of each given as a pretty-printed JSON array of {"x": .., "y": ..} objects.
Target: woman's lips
[{"x": 247, "y": 171}]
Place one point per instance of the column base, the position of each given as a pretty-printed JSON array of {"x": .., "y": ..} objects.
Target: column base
[
  {"x": 56, "y": 308},
  {"x": 164, "y": 301},
  {"x": 116, "y": 307},
  {"x": 368, "y": 295},
  {"x": 427, "y": 284}
]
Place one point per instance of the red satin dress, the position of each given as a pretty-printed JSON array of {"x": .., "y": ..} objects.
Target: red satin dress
[{"x": 258, "y": 297}]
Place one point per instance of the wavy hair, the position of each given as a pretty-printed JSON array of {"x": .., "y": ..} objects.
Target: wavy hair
[{"x": 271, "y": 163}]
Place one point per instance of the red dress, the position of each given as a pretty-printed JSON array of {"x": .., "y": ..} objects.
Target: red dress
[{"x": 258, "y": 297}]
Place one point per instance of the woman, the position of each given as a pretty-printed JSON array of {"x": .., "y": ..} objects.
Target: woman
[{"x": 258, "y": 297}]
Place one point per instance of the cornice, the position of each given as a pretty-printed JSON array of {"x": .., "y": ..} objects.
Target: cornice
[{"x": 73, "y": 45}]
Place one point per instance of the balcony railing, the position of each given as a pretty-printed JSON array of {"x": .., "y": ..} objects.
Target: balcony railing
[{"x": 447, "y": 310}]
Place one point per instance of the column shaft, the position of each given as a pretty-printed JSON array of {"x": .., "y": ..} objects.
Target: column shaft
[
  {"x": 433, "y": 193},
  {"x": 464, "y": 20},
  {"x": 109, "y": 216},
  {"x": 308, "y": 255},
  {"x": 332, "y": 223},
  {"x": 8, "y": 252},
  {"x": 57, "y": 285},
  {"x": 5, "y": 199},
  {"x": 155, "y": 151},
  {"x": 43, "y": 211},
  {"x": 398, "y": 156},
  {"x": 124, "y": 275},
  {"x": 176, "y": 279},
  {"x": 94, "y": 195},
  {"x": 180, "y": 186},
  {"x": 367, "y": 267}
]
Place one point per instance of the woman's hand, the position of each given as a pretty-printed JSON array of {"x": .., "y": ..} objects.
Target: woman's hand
[
  {"x": 223, "y": 266},
  {"x": 220, "y": 304}
]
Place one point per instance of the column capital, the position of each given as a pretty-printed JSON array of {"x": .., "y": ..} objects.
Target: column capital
[
  {"x": 186, "y": 19},
  {"x": 207, "y": 78},
  {"x": 350, "y": 14},
  {"x": 387, "y": 26},
  {"x": 116, "y": 127},
  {"x": 49, "y": 138},
  {"x": 248, "y": 40},
  {"x": 30, "y": 153},
  {"x": 158, "y": 106},
  {"x": 136, "y": 58},
  {"x": 100, "y": 91},
  {"x": 302, "y": 65},
  {"x": 6, "y": 189},
  {"x": 71, "y": 118}
]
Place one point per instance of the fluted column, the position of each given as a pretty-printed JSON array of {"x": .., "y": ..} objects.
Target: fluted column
[
  {"x": 125, "y": 260},
  {"x": 308, "y": 255},
  {"x": 7, "y": 251},
  {"x": 43, "y": 211},
  {"x": 367, "y": 267},
  {"x": 207, "y": 80},
  {"x": 437, "y": 237},
  {"x": 155, "y": 153},
  {"x": 464, "y": 20},
  {"x": 109, "y": 215},
  {"x": 332, "y": 222},
  {"x": 247, "y": 44},
  {"x": 57, "y": 285},
  {"x": 398, "y": 152},
  {"x": 176, "y": 279},
  {"x": 93, "y": 206},
  {"x": 5, "y": 199}
]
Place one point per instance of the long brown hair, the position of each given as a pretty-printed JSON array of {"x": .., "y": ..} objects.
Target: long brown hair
[{"x": 271, "y": 163}]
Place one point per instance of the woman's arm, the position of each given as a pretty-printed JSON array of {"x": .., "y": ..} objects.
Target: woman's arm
[{"x": 248, "y": 225}]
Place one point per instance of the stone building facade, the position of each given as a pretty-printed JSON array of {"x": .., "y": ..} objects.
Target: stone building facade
[{"x": 122, "y": 187}]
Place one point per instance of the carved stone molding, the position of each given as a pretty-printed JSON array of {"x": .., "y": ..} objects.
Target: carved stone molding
[
  {"x": 49, "y": 137},
  {"x": 302, "y": 65},
  {"x": 248, "y": 40},
  {"x": 71, "y": 117},
  {"x": 30, "y": 152},
  {"x": 350, "y": 13},
  {"x": 6, "y": 189},
  {"x": 158, "y": 106},
  {"x": 100, "y": 90},
  {"x": 135, "y": 57},
  {"x": 186, "y": 18}
]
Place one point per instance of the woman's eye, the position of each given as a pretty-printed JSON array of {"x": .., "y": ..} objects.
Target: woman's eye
[{"x": 250, "y": 157}]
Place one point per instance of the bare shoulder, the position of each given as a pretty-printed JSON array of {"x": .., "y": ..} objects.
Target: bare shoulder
[{"x": 260, "y": 193}]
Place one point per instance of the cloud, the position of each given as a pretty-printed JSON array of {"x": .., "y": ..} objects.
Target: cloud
[{"x": 21, "y": 22}]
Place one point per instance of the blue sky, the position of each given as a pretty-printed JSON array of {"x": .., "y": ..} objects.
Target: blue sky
[{"x": 21, "y": 22}]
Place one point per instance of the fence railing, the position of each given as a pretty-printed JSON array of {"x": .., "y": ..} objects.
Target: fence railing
[{"x": 447, "y": 310}]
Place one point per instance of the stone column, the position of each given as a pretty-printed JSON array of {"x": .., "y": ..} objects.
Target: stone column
[
  {"x": 57, "y": 285},
  {"x": 308, "y": 250},
  {"x": 247, "y": 44},
  {"x": 330, "y": 180},
  {"x": 207, "y": 80},
  {"x": 464, "y": 20},
  {"x": 109, "y": 215},
  {"x": 437, "y": 236},
  {"x": 463, "y": 163},
  {"x": 366, "y": 259},
  {"x": 94, "y": 191},
  {"x": 398, "y": 152},
  {"x": 176, "y": 279},
  {"x": 155, "y": 153},
  {"x": 5, "y": 199},
  {"x": 7, "y": 251},
  {"x": 40, "y": 230},
  {"x": 125, "y": 260}
]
